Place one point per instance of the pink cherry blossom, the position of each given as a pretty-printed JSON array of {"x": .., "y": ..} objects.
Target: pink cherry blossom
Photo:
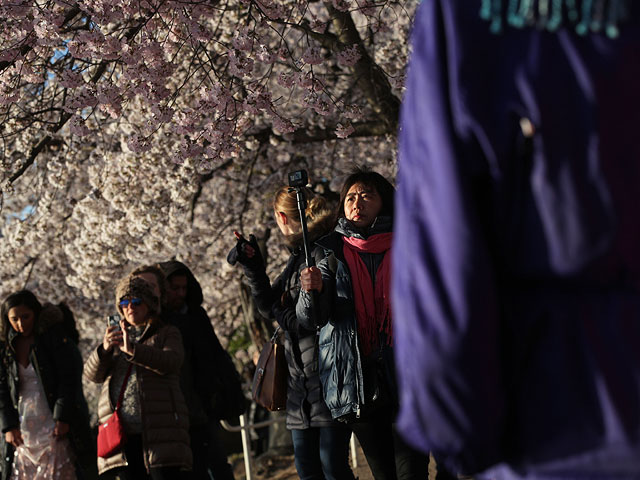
[
  {"x": 312, "y": 56},
  {"x": 137, "y": 131},
  {"x": 349, "y": 56},
  {"x": 343, "y": 131}
]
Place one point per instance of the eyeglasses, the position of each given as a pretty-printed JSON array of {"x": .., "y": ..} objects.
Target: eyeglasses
[{"x": 135, "y": 302}]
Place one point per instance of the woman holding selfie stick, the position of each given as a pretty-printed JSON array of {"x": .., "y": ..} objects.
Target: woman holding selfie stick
[
  {"x": 355, "y": 361},
  {"x": 141, "y": 357},
  {"x": 321, "y": 446}
]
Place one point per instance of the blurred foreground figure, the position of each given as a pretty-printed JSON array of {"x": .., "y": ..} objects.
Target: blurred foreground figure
[{"x": 516, "y": 278}]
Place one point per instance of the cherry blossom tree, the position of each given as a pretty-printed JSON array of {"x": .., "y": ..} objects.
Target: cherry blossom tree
[{"x": 134, "y": 131}]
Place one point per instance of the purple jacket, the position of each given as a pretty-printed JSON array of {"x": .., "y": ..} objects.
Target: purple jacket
[{"x": 516, "y": 258}]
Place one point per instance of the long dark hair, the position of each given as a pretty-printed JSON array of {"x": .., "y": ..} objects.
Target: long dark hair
[
  {"x": 22, "y": 298},
  {"x": 371, "y": 179}
]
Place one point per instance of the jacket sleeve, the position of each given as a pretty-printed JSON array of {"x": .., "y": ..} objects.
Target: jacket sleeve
[
  {"x": 164, "y": 359},
  {"x": 313, "y": 308},
  {"x": 98, "y": 365},
  {"x": 261, "y": 290},
  {"x": 443, "y": 292},
  {"x": 285, "y": 316},
  {"x": 8, "y": 414}
]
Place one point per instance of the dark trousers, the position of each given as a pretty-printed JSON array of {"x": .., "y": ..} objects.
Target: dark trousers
[
  {"x": 389, "y": 457},
  {"x": 209, "y": 455},
  {"x": 136, "y": 469},
  {"x": 322, "y": 453}
]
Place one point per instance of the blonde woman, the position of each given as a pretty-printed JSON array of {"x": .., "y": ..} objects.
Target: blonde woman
[{"x": 320, "y": 444}]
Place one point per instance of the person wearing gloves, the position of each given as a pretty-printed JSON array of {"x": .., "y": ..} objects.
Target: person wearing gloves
[
  {"x": 355, "y": 360},
  {"x": 321, "y": 445}
]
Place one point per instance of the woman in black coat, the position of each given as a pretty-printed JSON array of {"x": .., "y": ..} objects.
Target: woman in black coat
[
  {"x": 320, "y": 444},
  {"x": 43, "y": 414}
]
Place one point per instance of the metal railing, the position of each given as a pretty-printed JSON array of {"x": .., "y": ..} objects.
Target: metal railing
[{"x": 244, "y": 428}]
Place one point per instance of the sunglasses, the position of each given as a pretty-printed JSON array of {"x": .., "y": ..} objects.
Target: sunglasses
[{"x": 135, "y": 302}]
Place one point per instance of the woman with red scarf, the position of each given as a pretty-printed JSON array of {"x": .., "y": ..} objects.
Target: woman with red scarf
[{"x": 353, "y": 316}]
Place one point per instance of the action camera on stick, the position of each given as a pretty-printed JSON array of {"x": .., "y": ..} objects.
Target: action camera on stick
[{"x": 298, "y": 179}]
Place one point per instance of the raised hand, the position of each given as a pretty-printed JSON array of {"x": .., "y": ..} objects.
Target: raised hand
[{"x": 112, "y": 338}]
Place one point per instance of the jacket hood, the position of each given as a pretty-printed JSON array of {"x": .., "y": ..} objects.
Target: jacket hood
[
  {"x": 194, "y": 290},
  {"x": 49, "y": 316},
  {"x": 322, "y": 224}
]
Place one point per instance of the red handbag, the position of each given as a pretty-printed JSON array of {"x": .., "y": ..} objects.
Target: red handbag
[{"x": 111, "y": 436}]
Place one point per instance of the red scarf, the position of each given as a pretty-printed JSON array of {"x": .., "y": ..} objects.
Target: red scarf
[{"x": 373, "y": 308}]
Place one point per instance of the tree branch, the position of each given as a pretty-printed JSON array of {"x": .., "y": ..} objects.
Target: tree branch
[
  {"x": 363, "y": 129},
  {"x": 64, "y": 118},
  {"x": 204, "y": 179},
  {"x": 370, "y": 78},
  {"x": 32, "y": 158},
  {"x": 27, "y": 48}
]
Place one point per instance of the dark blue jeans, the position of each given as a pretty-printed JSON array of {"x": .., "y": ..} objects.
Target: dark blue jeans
[{"x": 322, "y": 453}]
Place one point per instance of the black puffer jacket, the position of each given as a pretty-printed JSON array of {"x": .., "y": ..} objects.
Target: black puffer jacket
[
  {"x": 208, "y": 377},
  {"x": 305, "y": 402},
  {"x": 58, "y": 365}
]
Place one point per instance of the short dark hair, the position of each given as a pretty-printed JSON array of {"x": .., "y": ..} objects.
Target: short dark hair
[
  {"x": 372, "y": 179},
  {"x": 22, "y": 298}
]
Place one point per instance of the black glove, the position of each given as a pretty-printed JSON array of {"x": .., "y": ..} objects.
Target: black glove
[{"x": 238, "y": 255}]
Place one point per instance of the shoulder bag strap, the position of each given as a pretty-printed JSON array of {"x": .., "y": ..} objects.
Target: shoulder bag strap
[{"x": 124, "y": 386}]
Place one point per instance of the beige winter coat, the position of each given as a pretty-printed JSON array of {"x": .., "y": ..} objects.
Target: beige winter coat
[{"x": 165, "y": 418}]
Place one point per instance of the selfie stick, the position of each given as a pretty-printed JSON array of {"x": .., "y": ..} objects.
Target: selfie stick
[
  {"x": 302, "y": 206},
  {"x": 297, "y": 181}
]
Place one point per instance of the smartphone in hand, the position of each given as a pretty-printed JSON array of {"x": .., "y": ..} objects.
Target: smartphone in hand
[{"x": 113, "y": 321}]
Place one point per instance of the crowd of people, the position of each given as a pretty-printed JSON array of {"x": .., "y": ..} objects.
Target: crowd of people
[
  {"x": 159, "y": 360},
  {"x": 338, "y": 329},
  {"x": 486, "y": 315}
]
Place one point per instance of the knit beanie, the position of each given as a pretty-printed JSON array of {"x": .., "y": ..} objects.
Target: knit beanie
[{"x": 135, "y": 287}]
